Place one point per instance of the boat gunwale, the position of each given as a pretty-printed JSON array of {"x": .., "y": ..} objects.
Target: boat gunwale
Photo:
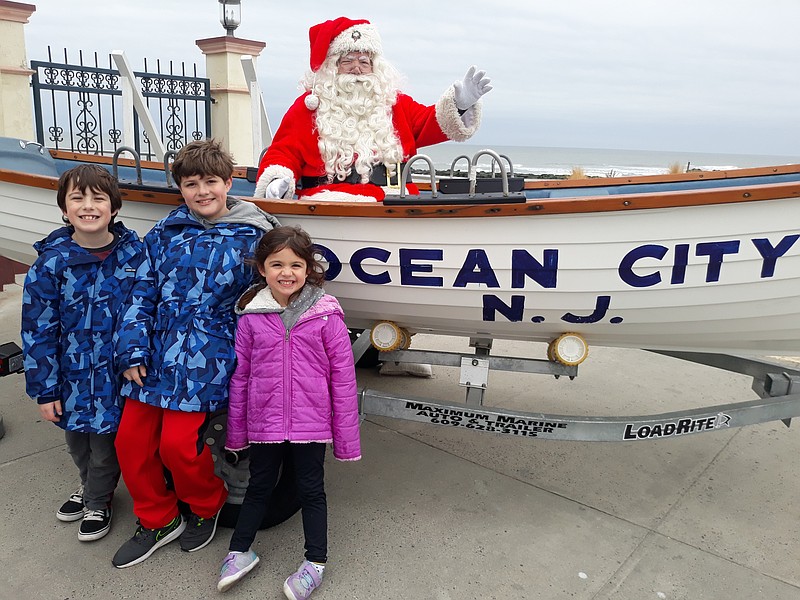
[
  {"x": 663, "y": 178},
  {"x": 538, "y": 206},
  {"x": 530, "y": 184},
  {"x": 122, "y": 161}
]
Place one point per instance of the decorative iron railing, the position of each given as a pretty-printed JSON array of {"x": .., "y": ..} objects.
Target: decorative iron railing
[{"x": 78, "y": 107}]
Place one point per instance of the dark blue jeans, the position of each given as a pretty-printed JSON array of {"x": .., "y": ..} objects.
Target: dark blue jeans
[{"x": 265, "y": 461}]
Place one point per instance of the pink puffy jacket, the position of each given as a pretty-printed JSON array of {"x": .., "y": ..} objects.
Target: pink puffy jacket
[{"x": 299, "y": 385}]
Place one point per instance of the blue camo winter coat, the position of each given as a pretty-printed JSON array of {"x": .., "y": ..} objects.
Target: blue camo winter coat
[
  {"x": 71, "y": 304},
  {"x": 180, "y": 323}
]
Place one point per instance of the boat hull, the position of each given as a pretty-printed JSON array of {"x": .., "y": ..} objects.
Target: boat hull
[
  {"x": 688, "y": 278},
  {"x": 713, "y": 270}
]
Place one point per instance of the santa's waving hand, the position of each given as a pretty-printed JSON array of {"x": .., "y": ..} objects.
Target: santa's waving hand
[{"x": 353, "y": 126}]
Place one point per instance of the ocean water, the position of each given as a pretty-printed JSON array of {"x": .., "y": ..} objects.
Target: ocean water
[{"x": 595, "y": 162}]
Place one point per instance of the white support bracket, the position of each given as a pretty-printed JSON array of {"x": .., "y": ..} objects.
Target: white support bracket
[
  {"x": 262, "y": 133},
  {"x": 132, "y": 99}
]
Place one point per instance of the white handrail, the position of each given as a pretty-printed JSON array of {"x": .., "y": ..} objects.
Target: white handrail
[
  {"x": 262, "y": 132},
  {"x": 132, "y": 99}
]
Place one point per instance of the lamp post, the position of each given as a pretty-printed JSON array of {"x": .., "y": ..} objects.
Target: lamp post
[
  {"x": 232, "y": 111},
  {"x": 230, "y": 15}
]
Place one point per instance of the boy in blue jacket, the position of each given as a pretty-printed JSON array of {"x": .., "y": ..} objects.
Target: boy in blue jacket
[
  {"x": 73, "y": 295},
  {"x": 177, "y": 333}
]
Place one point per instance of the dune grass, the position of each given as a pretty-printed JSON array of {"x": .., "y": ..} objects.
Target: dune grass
[{"x": 577, "y": 173}]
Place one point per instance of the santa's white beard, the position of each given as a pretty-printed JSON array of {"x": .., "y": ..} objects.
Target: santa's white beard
[{"x": 354, "y": 121}]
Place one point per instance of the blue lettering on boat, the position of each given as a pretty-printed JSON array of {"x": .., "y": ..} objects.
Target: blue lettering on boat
[
  {"x": 409, "y": 267},
  {"x": 363, "y": 254},
  {"x": 476, "y": 269},
  {"x": 600, "y": 309},
  {"x": 714, "y": 251},
  {"x": 523, "y": 264},
  {"x": 771, "y": 253},
  {"x": 513, "y": 312},
  {"x": 421, "y": 267}
]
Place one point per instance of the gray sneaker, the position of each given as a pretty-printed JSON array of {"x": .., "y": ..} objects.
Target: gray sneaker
[
  {"x": 146, "y": 541},
  {"x": 199, "y": 533}
]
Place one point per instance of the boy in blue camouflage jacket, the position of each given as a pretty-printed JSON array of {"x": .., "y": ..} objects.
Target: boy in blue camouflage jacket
[
  {"x": 178, "y": 334},
  {"x": 73, "y": 295}
]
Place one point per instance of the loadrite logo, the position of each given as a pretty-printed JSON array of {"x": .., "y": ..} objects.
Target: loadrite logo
[{"x": 675, "y": 428}]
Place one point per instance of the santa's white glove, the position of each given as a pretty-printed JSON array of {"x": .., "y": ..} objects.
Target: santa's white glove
[
  {"x": 469, "y": 91},
  {"x": 278, "y": 187}
]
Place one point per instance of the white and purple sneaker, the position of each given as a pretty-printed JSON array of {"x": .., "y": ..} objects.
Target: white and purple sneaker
[
  {"x": 235, "y": 566},
  {"x": 299, "y": 585}
]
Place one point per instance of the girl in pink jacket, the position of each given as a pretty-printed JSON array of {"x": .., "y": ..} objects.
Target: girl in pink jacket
[{"x": 294, "y": 385}]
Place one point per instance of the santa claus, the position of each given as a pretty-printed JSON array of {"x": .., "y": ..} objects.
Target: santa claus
[{"x": 347, "y": 136}]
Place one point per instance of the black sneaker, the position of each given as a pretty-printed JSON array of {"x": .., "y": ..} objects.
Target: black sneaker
[
  {"x": 146, "y": 541},
  {"x": 199, "y": 533},
  {"x": 73, "y": 509},
  {"x": 95, "y": 524}
]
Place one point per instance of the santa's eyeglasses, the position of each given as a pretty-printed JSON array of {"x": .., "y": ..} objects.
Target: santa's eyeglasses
[{"x": 350, "y": 61}]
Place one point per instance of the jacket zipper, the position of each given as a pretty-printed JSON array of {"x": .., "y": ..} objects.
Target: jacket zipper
[
  {"x": 287, "y": 398},
  {"x": 287, "y": 370}
]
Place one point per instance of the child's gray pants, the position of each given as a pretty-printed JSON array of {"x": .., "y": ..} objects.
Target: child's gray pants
[{"x": 96, "y": 458}]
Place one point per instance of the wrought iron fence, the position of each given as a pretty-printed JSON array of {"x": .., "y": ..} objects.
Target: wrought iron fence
[{"x": 78, "y": 107}]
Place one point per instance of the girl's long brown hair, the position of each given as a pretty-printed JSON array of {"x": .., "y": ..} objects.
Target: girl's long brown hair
[{"x": 275, "y": 240}]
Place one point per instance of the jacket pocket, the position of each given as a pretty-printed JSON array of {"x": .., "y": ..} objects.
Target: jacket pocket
[
  {"x": 210, "y": 356},
  {"x": 76, "y": 378}
]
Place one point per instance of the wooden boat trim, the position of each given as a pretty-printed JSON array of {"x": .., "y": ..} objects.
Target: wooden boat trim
[
  {"x": 20, "y": 178},
  {"x": 647, "y": 179},
  {"x": 550, "y": 206},
  {"x": 533, "y": 184},
  {"x": 585, "y": 204},
  {"x": 122, "y": 161}
]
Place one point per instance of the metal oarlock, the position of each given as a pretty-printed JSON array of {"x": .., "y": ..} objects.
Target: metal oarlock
[{"x": 407, "y": 170}]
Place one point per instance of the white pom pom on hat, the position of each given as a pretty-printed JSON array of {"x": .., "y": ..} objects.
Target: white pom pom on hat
[{"x": 311, "y": 102}]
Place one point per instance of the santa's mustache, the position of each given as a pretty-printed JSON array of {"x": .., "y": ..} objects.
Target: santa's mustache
[{"x": 349, "y": 82}]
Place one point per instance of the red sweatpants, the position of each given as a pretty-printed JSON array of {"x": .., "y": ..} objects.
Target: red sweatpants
[{"x": 151, "y": 438}]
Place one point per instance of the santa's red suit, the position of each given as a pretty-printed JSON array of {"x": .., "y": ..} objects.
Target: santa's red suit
[{"x": 294, "y": 153}]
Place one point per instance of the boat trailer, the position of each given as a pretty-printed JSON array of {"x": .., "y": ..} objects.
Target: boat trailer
[{"x": 777, "y": 386}]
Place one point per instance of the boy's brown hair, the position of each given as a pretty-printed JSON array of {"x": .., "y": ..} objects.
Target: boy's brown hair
[
  {"x": 202, "y": 157},
  {"x": 92, "y": 177},
  {"x": 85, "y": 177}
]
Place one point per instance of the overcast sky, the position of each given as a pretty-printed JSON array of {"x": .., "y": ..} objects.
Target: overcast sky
[{"x": 718, "y": 76}]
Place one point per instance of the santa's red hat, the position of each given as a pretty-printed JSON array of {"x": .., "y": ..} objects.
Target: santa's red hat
[{"x": 340, "y": 36}]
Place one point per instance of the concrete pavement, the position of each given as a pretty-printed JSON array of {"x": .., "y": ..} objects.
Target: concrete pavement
[{"x": 451, "y": 514}]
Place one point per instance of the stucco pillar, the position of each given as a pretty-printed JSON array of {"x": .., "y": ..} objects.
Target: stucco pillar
[
  {"x": 16, "y": 107},
  {"x": 231, "y": 114}
]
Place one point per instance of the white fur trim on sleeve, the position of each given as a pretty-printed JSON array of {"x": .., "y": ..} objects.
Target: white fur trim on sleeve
[
  {"x": 451, "y": 122},
  {"x": 270, "y": 173}
]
